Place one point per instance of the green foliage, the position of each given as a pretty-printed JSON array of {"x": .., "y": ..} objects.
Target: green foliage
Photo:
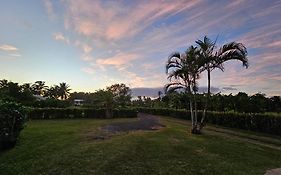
[
  {"x": 51, "y": 102},
  {"x": 68, "y": 113},
  {"x": 25, "y": 94},
  {"x": 10, "y": 91},
  {"x": 11, "y": 123},
  {"x": 39, "y": 88},
  {"x": 121, "y": 94},
  {"x": 241, "y": 102},
  {"x": 117, "y": 95}
]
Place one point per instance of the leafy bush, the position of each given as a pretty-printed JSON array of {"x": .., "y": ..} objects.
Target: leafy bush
[
  {"x": 266, "y": 123},
  {"x": 51, "y": 103},
  {"x": 11, "y": 123},
  {"x": 68, "y": 113}
]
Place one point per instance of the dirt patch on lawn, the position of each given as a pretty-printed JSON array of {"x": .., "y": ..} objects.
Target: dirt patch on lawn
[{"x": 144, "y": 122}]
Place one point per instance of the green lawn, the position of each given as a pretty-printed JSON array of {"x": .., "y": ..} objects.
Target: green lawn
[{"x": 66, "y": 147}]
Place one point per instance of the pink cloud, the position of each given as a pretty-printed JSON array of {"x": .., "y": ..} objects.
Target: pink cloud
[
  {"x": 88, "y": 70},
  {"x": 7, "y": 47},
  {"x": 275, "y": 44},
  {"x": 118, "y": 60},
  {"x": 61, "y": 37},
  {"x": 86, "y": 48},
  {"x": 114, "y": 20}
]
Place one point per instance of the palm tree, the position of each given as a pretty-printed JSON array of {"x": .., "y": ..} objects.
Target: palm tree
[
  {"x": 63, "y": 91},
  {"x": 215, "y": 58},
  {"x": 3, "y": 83},
  {"x": 53, "y": 92},
  {"x": 39, "y": 88},
  {"x": 183, "y": 72},
  {"x": 26, "y": 87}
]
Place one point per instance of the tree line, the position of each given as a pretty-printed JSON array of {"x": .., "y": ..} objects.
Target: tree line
[
  {"x": 241, "y": 102},
  {"x": 27, "y": 93},
  {"x": 120, "y": 95},
  {"x": 39, "y": 94}
]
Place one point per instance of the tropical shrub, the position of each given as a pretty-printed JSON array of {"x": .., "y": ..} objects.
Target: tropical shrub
[{"x": 11, "y": 123}]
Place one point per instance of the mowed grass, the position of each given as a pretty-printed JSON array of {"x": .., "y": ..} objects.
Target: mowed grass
[{"x": 65, "y": 147}]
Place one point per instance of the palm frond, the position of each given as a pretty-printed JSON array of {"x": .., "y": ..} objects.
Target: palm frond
[
  {"x": 171, "y": 87},
  {"x": 233, "y": 54}
]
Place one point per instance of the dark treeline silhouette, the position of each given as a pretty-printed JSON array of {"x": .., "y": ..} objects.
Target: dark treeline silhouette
[
  {"x": 116, "y": 95},
  {"x": 37, "y": 94},
  {"x": 119, "y": 95},
  {"x": 241, "y": 102}
]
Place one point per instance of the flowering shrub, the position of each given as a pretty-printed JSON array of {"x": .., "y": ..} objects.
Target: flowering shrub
[{"x": 11, "y": 123}]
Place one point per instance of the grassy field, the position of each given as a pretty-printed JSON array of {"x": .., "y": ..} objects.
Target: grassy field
[{"x": 66, "y": 147}]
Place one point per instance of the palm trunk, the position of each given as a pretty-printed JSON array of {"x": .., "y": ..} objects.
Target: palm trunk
[
  {"x": 207, "y": 100},
  {"x": 191, "y": 114},
  {"x": 195, "y": 110}
]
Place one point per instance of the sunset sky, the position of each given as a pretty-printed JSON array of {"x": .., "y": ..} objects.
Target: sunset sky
[{"x": 91, "y": 44}]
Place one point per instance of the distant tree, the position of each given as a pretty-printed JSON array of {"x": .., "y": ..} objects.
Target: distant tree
[
  {"x": 53, "y": 92},
  {"x": 242, "y": 102},
  {"x": 274, "y": 104},
  {"x": 27, "y": 97},
  {"x": 121, "y": 94},
  {"x": 3, "y": 83},
  {"x": 63, "y": 90},
  {"x": 39, "y": 88},
  {"x": 14, "y": 90},
  {"x": 258, "y": 103},
  {"x": 26, "y": 87},
  {"x": 104, "y": 98},
  {"x": 10, "y": 91}
]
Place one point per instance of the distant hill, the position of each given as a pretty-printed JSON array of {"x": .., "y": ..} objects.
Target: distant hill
[{"x": 153, "y": 92}]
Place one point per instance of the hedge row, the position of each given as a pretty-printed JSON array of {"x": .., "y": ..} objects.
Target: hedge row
[
  {"x": 266, "y": 123},
  {"x": 65, "y": 113}
]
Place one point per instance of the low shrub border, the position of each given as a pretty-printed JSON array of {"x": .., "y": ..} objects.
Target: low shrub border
[
  {"x": 266, "y": 123},
  {"x": 70, "y": 113}
]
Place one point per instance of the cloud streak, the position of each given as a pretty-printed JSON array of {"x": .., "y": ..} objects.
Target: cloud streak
[
  {"x": 6, "y": 47},
  {"x": 132, "y": 40},
  {"x": 49, "y": 8}
]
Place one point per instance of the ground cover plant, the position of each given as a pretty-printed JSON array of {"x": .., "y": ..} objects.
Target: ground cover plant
[{"x": 65, "y": 147}]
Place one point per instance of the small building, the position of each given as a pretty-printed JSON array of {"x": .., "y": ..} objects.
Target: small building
[
  {"x": 39, "y": 98},
  {"x": 78, "y": 102}
]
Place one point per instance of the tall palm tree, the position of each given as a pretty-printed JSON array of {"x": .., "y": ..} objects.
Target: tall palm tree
[
  {"x": 63, "y": 91},
  {"x": 26, "y": 87},
  {"x": 39, "y": 88},
  {"x": 53, "y": 92},
  {"x": 215, "y": 58},
  {"x": 183, "y": 72},
  {"x": 3, "y": 83}
]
